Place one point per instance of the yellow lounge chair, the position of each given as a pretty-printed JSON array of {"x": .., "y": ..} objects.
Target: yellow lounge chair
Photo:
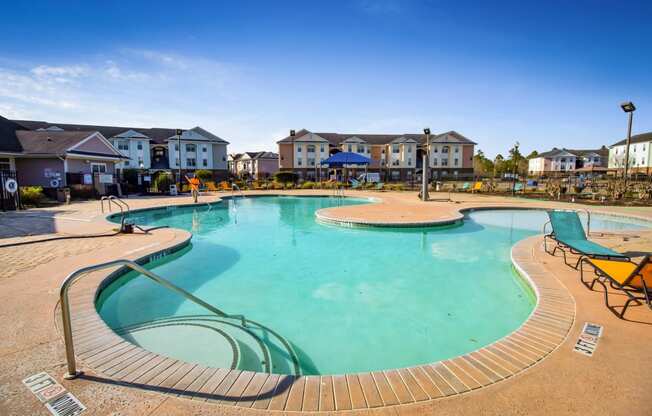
[
  {"x": 635, "y": 280},
  {"x": 477, "y": 187},
  {"x": 210, "y": 186},
  {"x": 225, "y": 186}
]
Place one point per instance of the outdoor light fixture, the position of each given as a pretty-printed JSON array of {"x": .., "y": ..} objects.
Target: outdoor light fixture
[
  {"x": 424, "y": 168},
  {"x": 426, "y": 130},
  {"x": 293, "y": 133},
  {"x": 628, "y": 107}
]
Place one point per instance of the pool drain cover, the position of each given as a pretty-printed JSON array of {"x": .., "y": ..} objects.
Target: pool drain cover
[{"x": 56, "y": 398}]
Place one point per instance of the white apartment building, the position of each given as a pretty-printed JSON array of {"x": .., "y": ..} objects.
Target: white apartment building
[{"x": 640, "y": 153}]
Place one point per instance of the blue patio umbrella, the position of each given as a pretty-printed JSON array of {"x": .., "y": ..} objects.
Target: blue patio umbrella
[
  {"x": 340, "y": 159},
  {"x": 345, "y": 159}
]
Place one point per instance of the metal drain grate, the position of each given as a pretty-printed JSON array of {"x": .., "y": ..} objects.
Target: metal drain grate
[
  {"x": 66, "y": 405},
  {"x": 56, "y": 398}
]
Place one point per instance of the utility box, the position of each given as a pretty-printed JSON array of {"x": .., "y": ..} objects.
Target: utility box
[{"x": 63, "y": 195}]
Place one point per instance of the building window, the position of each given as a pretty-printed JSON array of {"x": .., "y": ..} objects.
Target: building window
[
  {"x": 299, "y": 162},
  {"x": 395, "y": 162},
  {"x": 139, "y": 146},
  {"x": 126, "y": 163},
  {"x": 395, "y": 148},
  {"x": 191, "y": 162},
  {"x": 176, "y": 147},
  {"x": 409, "y": 149},
  {"x": 409, "y": 161},
  {"x": 310, "y": 148},
  {"x": 98, "y": 167},
  {"x": 123, "y": 145},
  {"x": 434, "y": 162},
  {"x": 444, "y": 162},
  {"x": 435, "y": 149},
  {"x": 349, "y": 147},
  {"x": 444, "y": 149},
  {"x": 190, "y": 147},
  {"x": 311, "y": 162},
  {"x": 141, "y": 162},
  {"x": 321, "y": 148},
  {"x": 455, "y": 162},
  {"x": 204, "y": 162},
  {"x": 299, "y": 148},
  {"x": 204, "y": 149},
  {"x": 457, "y": 149}
]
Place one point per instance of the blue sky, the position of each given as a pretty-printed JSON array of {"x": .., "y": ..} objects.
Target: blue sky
[{"x": 544, "y": 73}]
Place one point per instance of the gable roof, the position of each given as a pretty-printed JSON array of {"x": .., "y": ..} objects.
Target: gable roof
[
  {"x": 60, "y": 143},
  {"x": 337, "y": 139},
  {"x": 602, "y": 152},
  {"x": 637, "y": 138},
  {"x": 8, "y": 140},
  {"x": 155, "y": 134}
]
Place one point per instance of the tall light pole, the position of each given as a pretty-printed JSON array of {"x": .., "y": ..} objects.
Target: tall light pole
[
  {"x": 426, "y": 160},
  {"x": 514, "y": 169},
  {"x": 629, "y": 108},
  {"x": 179, "y": 133}
]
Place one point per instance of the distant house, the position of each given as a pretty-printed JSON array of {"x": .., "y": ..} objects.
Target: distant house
[
  {"x": 393, "y": 156},
  {"x": 255, "y": 165},
  {"x": 559, "y": 161},
  {"x": 154, "y": 149},
  {"x": 54, "y": 158},
  {"x": 640, "y": 154}
]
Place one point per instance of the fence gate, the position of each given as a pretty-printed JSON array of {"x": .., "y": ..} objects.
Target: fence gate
[{"x": 9, "y": 201}]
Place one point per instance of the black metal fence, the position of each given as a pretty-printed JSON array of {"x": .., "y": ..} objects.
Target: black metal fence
[{"x": 9, "y": 201}]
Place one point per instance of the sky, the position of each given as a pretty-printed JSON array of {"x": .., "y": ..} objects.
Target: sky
[{"x": 543, "y": 73}]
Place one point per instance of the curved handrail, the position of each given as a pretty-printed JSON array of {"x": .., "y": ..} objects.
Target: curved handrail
[{"x": 74, "y": 276}]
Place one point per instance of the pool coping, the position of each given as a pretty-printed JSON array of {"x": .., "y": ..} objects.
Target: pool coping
[{"x": 546, "y": 328}]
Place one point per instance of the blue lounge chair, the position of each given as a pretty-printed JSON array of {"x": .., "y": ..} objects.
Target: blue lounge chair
[
  {"x": 569, "y": 235},
  {"x": 355, "y": 184},
  {"x": 518, "y": 187},
  {"x": 379, "y": 186}
]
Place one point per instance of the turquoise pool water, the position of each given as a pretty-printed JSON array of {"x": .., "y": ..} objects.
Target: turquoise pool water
[{"x": 347, "y": 299}]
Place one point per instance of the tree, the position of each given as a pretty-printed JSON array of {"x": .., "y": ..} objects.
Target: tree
[
  {"x": 532, "y": 155},
  {"x": 481, "y": 165}
]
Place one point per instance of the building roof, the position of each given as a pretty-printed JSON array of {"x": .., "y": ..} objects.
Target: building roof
[
  {"x": 266, "y": 155},
  {"x": 637, "y": 138},
  {"x": 155, "y": 134},
  {"x": 336, "y": 139},
  {"x": 59, "y": 143},
  {"x": 602, "y": 152},
  {"x": 8, "y": 140}
]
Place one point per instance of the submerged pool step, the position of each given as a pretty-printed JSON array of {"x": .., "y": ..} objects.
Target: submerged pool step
[{"x": 254, "y": 347}]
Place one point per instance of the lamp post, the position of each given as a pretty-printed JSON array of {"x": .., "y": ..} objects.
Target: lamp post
[
  {"x": 179, "y": 133},
  {"x": 515, "y": 161},
  {"x": 426, "y": 160},
  {"x": 629, "y": 108}
]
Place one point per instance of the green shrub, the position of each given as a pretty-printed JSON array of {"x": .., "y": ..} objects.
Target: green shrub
[
  {"x": 130, "y": 176},
  {"x": 204, "y": 175},
  {"x": 31, "y": 195},
  {"x": 308, "y": 185},
  {"x": 285, "y": 177},
  {"x": 162, "y": 182}
]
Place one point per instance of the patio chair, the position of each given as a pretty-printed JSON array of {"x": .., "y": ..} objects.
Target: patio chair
[
  {"x": 379, "y": 186},
  {"x": 225, "y": 186},
  {"x": 518, "y": 187},
  {"x": 355, "y": 184},
  {"x": 466, "y": 186},
  {"x": 568, "y": 234},
  {"x": 635, "y": 280},
  {"x": 210, "y": 186},
  {"x": 477, "y": 187}
]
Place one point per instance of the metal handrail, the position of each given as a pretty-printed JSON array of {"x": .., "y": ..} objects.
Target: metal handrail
[
  {"x": 235, "y": 187},
  {"x": 74, "y": 276}
]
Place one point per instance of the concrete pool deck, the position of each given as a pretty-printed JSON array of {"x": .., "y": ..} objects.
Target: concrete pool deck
[{"x": 565, "y": 382}]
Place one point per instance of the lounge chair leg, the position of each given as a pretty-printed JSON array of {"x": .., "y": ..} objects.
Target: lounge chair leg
[{"x": 578, "y": 262}]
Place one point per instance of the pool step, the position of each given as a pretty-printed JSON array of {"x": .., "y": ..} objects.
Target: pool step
[{"x": 254, "y": 347}]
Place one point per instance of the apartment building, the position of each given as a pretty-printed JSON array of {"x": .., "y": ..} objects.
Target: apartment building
[
  {"x": 640, "y": 154},
  {"x": 561, "y": 161},
  {"x": 254, "y": 165},
  {"x": 396, "y": 157},
  {"x": 154, "y": 149}
]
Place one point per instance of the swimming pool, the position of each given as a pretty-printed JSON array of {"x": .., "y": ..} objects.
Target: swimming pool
[{"x": 347, "y": 299}]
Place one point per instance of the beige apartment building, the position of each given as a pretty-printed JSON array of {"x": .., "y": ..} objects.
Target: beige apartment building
[{"x": 397, "y": 157}]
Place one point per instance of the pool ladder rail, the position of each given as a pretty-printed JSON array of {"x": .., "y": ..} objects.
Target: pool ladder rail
[
  {"x": 124, "y": 207},
  {"x": 244, "y": 322}
]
